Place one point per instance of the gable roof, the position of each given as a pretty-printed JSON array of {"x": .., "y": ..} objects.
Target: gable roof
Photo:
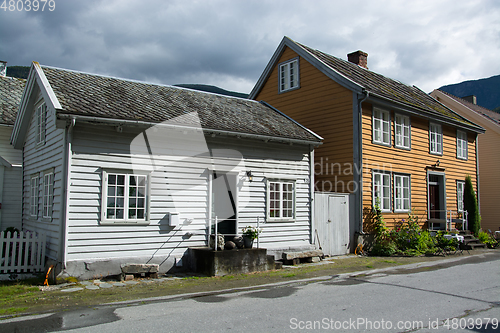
[
  {"x": 486, "y": 113},
  {"x": 11, "y": 91},
  {"x": 363, "y": 81},
  {"x": 97, "y": 97}
]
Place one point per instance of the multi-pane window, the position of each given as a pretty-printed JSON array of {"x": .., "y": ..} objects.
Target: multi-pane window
[
  {"x": 381, "y": 127},
  {"x": 462, "y": 145},
  {"x": 281, "y": 200},
  {"x": 460, "y": 196},
  {"x": 436, "y": 139},
  {"x": 289, "y": 75},
  {"x": 382, "y": 190},
  {"x": 125, "y": 197},
  {"x": 41, "y": 115},
  {"x": 48, "y": 194},
  {"x": 402, "y": 131},
  {"x": 34, "y": 195},
  {"x": 401, "y": 193}
]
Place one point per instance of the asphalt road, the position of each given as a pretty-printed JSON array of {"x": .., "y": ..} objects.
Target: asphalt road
[{"x": 460, "y": 295}]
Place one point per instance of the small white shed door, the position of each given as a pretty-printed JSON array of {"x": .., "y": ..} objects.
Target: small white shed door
[{"x": 332, "y": 223}]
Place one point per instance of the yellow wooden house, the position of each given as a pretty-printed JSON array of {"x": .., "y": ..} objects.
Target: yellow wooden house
[{"x": 384, "y": 141}]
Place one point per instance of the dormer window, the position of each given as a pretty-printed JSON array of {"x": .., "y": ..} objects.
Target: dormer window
[{"x": 289, "y": 75}]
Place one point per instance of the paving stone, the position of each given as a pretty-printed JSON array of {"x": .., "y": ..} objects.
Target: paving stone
[
  {"x": 105, "y": 285},
  {"x": 92, "y": 287},
  {"x": 70, "y": 290},
  {"x": 97, "y": 281},
  {"x": 86, "y": 283},
  {"x": 119, "y": 284},
  {"x": 131, "y": 282}
]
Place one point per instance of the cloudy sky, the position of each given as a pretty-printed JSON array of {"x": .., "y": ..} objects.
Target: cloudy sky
[{"x": 228, "y": 43}]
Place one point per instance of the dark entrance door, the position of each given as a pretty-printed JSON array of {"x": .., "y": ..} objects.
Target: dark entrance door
[
  {"x": 434, "y": 205},
  {"x": 224, "y": 200}
]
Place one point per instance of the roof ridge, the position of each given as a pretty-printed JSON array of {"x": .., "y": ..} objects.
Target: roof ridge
[{"x": 144, "y": 82}]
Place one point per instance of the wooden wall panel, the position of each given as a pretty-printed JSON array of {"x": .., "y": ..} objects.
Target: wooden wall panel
[
  {"x": 317, "y": 104},
  {"x": 414, "y": 162}
]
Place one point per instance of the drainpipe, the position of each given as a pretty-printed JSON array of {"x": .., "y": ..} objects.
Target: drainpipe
[
  {"x": 65, "y": 204},
  {"x": 311, "y": 189},
  {"x": 361, "y": 99}
]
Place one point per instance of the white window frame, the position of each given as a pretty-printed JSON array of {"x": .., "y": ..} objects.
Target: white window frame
[
  {"x": 47, "y": 194},
  {"x": 105, "y": 219},
  {"x": 402, "y": 131},
  {"x": 280, "y": 200},
  {"x": 41, "y": 121},
  {"x": 435, "y": 139},
  {"x": 381, "y": 127},
  {"x": 289, "y": 75},
  {"x": 381, "y": 181},
  {"x": 402, "y": 193},
  {"x": 462, "y": 151},
  {"x": 460, "y": 196},
  {"x": 34, "y": 195}
]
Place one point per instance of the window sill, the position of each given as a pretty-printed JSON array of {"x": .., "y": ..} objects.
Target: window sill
[
  {"x": 287, "y": 90},
  {"x": 382, "y": 144},
  {"x": 123, "y": 223},
  {"x": 403, "y": 148},
  {"x": 272, "y": 219},
  {"x": 436, "y": 153}
]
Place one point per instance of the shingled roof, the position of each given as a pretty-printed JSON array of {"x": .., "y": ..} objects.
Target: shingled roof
[
  {"x": 487, "y": 113},
  {"x": 113, "y": 98},
  {"x": 361, "y": 79},
  {"x": 11, "y": 91}
]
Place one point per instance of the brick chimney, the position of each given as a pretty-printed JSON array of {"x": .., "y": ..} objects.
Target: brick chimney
[
  {"x": 359, "y": 58},
  {"x": 471, "y": 99},
  {"x": 3, "y": 68}
]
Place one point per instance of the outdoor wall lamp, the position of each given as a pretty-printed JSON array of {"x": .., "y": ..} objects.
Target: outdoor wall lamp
[{"x": 250, "y": 176}]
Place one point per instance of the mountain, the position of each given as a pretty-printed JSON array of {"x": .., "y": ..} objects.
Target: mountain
[
  {"x": 212, "y": 89},
  {"x": 487, "y": 91},
  {"x": 20, "y": 72}
]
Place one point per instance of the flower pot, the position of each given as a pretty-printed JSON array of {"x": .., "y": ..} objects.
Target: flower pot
[{"x": 248, "y": 242}]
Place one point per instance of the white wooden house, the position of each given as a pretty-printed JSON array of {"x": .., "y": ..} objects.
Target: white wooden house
[
  {"x": 119, "y": 171},
  {"x": 11, "y": 90}
]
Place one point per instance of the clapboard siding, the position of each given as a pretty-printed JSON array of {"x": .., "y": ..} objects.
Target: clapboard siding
[
  {"x": 12, "y": 198},
  {"x": 488, "y": 156},
  {"x": 7, "y": 151},
  {"x": 11, "y": 193},
  {"x": 179, "y": 183},
  {"x": 321, "y": 105},
  {"x": 414, "y": 163},
  {"x": 37, "y": 159}
]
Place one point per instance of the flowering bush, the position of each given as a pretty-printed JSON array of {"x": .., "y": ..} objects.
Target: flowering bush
[{"x": 407, "y": 238}]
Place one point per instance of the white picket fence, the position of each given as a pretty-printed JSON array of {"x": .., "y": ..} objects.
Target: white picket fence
[{"x": 22, "y": 252}]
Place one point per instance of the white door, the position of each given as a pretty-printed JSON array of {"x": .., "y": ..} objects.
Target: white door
[{"x": 332, "y": 223}]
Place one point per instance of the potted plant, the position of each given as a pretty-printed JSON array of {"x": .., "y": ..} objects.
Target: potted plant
[{"x": 249, "y": 234}]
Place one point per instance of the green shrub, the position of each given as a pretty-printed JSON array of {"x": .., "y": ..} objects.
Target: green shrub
[
  {"x": 487, "y": 239},
  {"x": 470, "y": 205},
  {"x": 407, "y": 238}
]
